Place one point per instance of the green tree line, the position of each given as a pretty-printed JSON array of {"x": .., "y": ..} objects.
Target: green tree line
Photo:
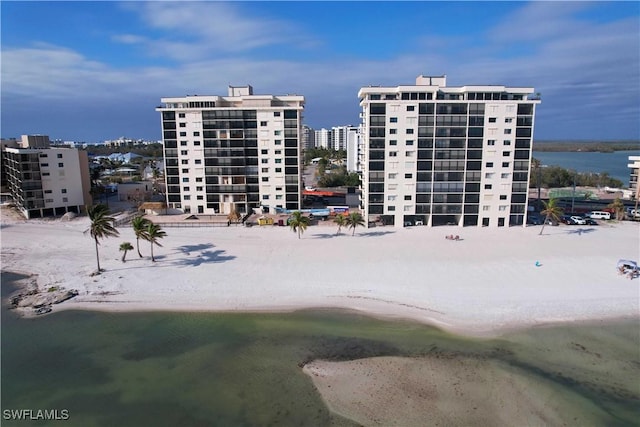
[{"x": 559, "y": 177}]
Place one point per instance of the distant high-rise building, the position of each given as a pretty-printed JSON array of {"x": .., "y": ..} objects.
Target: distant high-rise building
[
  {"x": 45, "y": 181},
  {"x": 438, "y": 155},
  {"x": 323, "y": 138},
  {"x": 237, "y": 152},
  {"x": 308, "y": 137},
  {"x": 353, "y": 149}
]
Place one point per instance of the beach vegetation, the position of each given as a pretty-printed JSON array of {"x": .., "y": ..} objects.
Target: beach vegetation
[
  {"x": 618, "y": 208},
  {"x": 354, "y": 220},
  {"x": 298, "y": 223},
  {"x": 125, "y": 247},
  {"x": 153, "y": 233},
  {"x": 139, "y": 225},
  {"x": 102, "y": 226},
  {"x": 551, "y": 212},
  {"x": 341, "y": 221}
]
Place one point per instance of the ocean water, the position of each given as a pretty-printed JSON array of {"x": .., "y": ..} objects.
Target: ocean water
[
  {"x": 615, "y": 163},
  {"x": 203, "y": 369}
]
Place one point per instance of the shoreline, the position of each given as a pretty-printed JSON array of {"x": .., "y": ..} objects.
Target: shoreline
[{"x": 485, "y": 285}]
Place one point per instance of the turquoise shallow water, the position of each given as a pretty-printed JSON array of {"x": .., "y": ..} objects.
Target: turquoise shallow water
[{"x": 202, "y": 369}]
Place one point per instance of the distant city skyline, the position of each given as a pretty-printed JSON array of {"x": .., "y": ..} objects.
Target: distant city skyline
[{"x": 94, "y": 71}]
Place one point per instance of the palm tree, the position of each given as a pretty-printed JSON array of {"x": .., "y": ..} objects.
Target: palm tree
[
  {"x": 618, "y": 208},
  {"x": 551, "y": 211},
  {"x": 154, "y": 232},
  {"x": 101, "y": 226},
  {"x": 139, "y": 225},
  {"x": 298, "y": 222},
  {"x": 341, "y": 221},
  {"x": 125, "y": 247},
  {"x": 354, "y": 220}
]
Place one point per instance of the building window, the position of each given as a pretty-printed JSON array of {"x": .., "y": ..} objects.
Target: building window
[
  {"x": 196, "y": 133},
  {"x": 410, "y": 153},
  {"x": 507, "y": 142},
  {"x": 277, "y": 152},
  {"x": 488, "y": 175},
  {"x": 184, "y": 161},
  {"x": 65, "y": 200},
  {"x": 393, "y": 119},
  {"x": 407, "y": 197},
  {"x": 489, "y": 164},
  {"x": 264, "y": 161},
  {"x": 60, "y": 165},
  {"x": 505, "y": 175},
  {"x": 199, "y": 188},
  {"x": 265, "y": 179},
  {"x": 278, "y": 142},
  {"x": 492, "y": 119},
  {"x": 263, "y": 123},
  {"x": 59, "y": 155},
  {"x": 185, "y": 170},
  {"x": 391, "y": 198},
  {"x": 64, "y": 191},
  {"x": 185, "y": 179},
  {"x": 393, "y": 154},
  {"x": 181, "y": 115},
  {"x": 264, "y": 151},
  {"x": 506, "y": 153},
  {"x": 184, "y": 152},
  {"x": 185, "y": 188},
  {"x": 278, "y": 160},
  {"x": 491, "y": 142},
  {"x": 391, "y": 208},
  {"x": 409, "y": 131},
  {"x": 393, "y": 142},
  {"x": 187, "y": 197},
  {"x": 409, "y": 142},
  {"x": 45, "y": 174},
  {"x": 183, "y": 143},
  {"x": 183, "y": 134},
  {"x": 265, "y": 170},
  {"x": 508, "y": 120},
  {"x": 507, "y": 131},
  {"x": 196, "y": 142},
  {"x": 278, "y": 196},
  {"x": 393, "y": 131},
  {"x": 198, "y": 161},
  {"x": 408, "y": 208},
  {"x": 486, "y": 208},
  {"x": 200, "y": 197},
  {"x": 278, "y": 169},
  {"x": 45, "y": 165},
  {"x": 408, "y": 175},
  {"x": 48, "y": 191},
  {"x": 487, "y": 186},
  {"x": 393, "y": 175},
  {"x": 199, "y": 179},
  {"x": 265, "y": 197},
  {"x": 276, "y": 114},
  {"x": 505, "y": 164},
  {"x": 503, "y": 197},
  {"x": 183, "y": 125},
  {"x": 277, "y": 132},
  {"x": 411, "y": 108},
  {"x": 502, "y": 208}
]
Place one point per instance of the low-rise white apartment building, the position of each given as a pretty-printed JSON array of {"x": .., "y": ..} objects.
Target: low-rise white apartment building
[
  {"x": 439, "y": 155},
  {"x": 46, "y": 181},
  {"x": 237, "y": 152}
]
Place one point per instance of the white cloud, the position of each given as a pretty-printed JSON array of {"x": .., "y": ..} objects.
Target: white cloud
[{"x": 197, "y": 29}]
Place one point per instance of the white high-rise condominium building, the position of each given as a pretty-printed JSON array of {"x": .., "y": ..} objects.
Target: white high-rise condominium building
[
  {"x": 323, "y": 138},
  {"x": 438, "y": 155},
  {"x": 237, "y": 152}
]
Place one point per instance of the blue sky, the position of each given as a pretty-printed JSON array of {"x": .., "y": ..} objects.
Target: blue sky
[{"x": 90, "y": 71}]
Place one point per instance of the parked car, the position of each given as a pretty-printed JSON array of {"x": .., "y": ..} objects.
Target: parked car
[
  {"x": 589, "y": 221},
  {"x": 600, "y": 215},
  {"x": 534, "y": 220},
  {"x": 578, "y": 220},
  {"x": 566, "y": 219}
]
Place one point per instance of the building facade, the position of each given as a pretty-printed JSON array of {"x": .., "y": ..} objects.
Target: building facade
[
  {"x": 322, "y": 138},
  {"x": 634, "y": 166},
  {"x": 45, "y": 181},
  {"x": 438, "y": 155},
  {"x": 232, "y": 153}
]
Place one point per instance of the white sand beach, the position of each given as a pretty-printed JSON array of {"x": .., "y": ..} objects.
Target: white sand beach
[{"x": 486, "y": 283}]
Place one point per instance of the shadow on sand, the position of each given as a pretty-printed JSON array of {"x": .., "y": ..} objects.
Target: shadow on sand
[{"x": 581, "y": 230}]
